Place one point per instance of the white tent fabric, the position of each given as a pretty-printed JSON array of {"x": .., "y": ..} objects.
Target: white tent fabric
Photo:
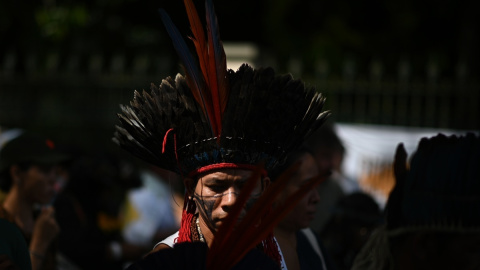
[{"x": 374, "y": 144}]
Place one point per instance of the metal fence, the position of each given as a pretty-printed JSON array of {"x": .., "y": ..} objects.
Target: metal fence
[{"x": 78, "y": 95}]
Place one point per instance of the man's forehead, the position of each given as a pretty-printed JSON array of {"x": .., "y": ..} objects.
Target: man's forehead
[{"x": 227, "y": 174}]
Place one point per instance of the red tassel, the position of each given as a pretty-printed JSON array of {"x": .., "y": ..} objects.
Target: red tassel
[
  {"x": 271, "y": 249},
  {"x": 189, "y": 208}
]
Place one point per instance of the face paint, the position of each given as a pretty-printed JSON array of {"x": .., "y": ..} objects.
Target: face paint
[
  {"x": 216, "y": 193},
  {"x": 205, "y": 207}
]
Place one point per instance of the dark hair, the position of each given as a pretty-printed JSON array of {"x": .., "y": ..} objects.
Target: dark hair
[
  {"x": 6, "y": 180},
  {"x": 326, "y": 137},
  {"x": 290, "y": 160}
]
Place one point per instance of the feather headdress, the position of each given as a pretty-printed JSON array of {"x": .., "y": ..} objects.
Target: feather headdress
[
  {"x": 213, "y": 115},
  {"x": 440, "y": 190}
]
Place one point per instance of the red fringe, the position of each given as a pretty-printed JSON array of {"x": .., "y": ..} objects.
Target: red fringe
[
  {"x": 270, "y": 248},
  {"x": 189, "y": 208}
]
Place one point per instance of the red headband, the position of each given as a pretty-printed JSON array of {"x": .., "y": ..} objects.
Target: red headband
[{"x": 226, "y": 166}]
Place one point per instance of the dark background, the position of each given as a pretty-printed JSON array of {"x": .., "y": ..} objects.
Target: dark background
[
  {"x": 446, "y": 32},
  {"x": 66, "y": 65}
]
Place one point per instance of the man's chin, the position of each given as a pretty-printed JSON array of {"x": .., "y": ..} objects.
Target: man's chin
[{"x": 218, "y": 224}]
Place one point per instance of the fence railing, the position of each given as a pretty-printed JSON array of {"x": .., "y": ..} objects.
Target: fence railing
[{"x": 83, "y": 91}]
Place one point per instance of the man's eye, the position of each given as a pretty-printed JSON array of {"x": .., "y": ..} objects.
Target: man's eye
[
  {"x": 240, "y": 184},
  {"x": 217, "y": 188}
]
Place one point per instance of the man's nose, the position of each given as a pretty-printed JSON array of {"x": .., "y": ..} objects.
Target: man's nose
[{"x": 229, "y": 197}]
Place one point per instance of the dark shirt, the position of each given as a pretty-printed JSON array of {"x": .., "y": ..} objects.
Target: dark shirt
[
  {"x": 308, "y": 258},
  {"x": 49, "y": 261},
  {"x": 13, "y": 244}
]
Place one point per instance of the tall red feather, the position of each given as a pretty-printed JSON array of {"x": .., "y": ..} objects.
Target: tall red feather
[
  {"x": 212, "y": 61},
  {"x": 198, "y": 37},
  {"x": 201, "y": 48},
  {"x": 219, "y": 84}
]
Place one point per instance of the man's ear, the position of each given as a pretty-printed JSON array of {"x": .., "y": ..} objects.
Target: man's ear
[
  {"x": 15, "y": 173},
  {"x": 189, "y": 185}
]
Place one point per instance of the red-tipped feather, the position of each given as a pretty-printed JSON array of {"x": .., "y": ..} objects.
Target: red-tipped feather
[
  {"x": 212, "y": 61},
  {"x": 201, "y": 47},
  {"x": 226, "y": 251},
  {"x": 195, "y": 80},
  {"x": 218, "y": 65},
  {"x": 246, "y": 227},
  {"x": 230, "y": 245},
  {"x": 252, "y": 235},
  {"x": 198, "y": 37},
  {"x": 224, "y": 232},
  {"x": 279, "y": 212}
]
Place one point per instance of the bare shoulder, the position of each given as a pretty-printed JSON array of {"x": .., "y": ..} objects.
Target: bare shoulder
[{"x": 159, "y": 247}]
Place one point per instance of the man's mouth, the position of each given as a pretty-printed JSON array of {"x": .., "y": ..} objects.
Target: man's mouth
[{"x": 219, "y": 221}]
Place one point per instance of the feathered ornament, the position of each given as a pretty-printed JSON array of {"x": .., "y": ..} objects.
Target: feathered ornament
[
  {"x": 214, "y": 117},
  {"x": 440, "y": 188},
  {"x": 231, "y": 245},
  {"x": 209, "y": 85}
]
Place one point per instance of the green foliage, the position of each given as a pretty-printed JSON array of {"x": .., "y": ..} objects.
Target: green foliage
[{"x": 57, "y": 22}]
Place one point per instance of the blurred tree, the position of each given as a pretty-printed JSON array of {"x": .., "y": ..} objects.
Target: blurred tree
[
  {"x": 422, "y": 31},
  {"x": 445, "y": 32}
]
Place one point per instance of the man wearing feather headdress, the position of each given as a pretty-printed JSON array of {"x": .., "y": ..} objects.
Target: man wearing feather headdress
[{"x": 223, "y": 131}]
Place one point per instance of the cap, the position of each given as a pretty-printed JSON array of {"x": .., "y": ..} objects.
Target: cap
[{"x": 30, "y": 148}]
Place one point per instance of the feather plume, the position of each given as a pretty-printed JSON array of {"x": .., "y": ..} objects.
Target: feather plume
[
  {"x": 225, "y": 231},
  {"x": 210, "y": 84},
  {"x": 198, "y": 37},
  {"x": 218, "y": 64},
  {"x": 241, "y": 109},
  {"x": 230, "y": 245},
  {"x": 194, "y": 77},
  {"x": 215, "y": 115}
]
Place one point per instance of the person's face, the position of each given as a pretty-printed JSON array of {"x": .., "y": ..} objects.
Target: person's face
[
  {"x": 37, "y": 183},
  {"x": 304, "y": 212},
  {"x": 215, "y": 193},
  {"x": 325, "y": 159}
]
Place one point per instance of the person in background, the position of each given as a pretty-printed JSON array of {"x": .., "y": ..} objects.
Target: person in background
[
  {"x": 353, "y": 219},
  {"x": 300, "y": 246},
  {"x": 329, "y": 152},
  {"x": 6, "y": 134},
  {"x": 28, "y": 173},
  {"x": 432, "y": 213},
  {"x": 90, "y": 211},
  {"x": 14, "y": 253},
  {"x": 151, "y": 211},
  {"x": 13, "y": 246}
]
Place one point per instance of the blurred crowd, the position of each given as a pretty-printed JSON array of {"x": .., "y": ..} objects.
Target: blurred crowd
[
  {"x": 74, "y": 209},
  {"x": 83, "y": 210}
]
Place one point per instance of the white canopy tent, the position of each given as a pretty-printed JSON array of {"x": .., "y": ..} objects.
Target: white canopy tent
[{"x": 370, "y": 146}]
